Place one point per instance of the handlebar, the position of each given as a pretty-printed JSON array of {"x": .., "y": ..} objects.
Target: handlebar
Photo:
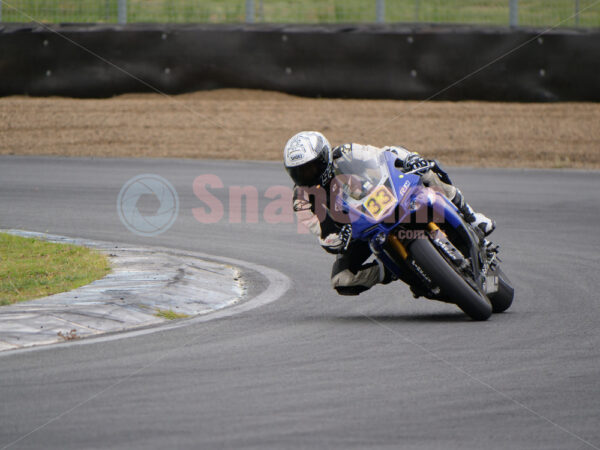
[{"x": 420, "y": 169}]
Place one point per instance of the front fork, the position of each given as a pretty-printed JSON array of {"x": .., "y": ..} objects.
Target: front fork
[
  {"x": 392, "y": 252},
  {"x": 436, "y": 234}
]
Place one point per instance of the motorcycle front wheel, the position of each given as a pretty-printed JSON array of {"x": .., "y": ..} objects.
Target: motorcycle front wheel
[{"x": 451, "y": 283}]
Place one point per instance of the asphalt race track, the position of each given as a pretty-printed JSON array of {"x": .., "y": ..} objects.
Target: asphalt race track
[{"x": 312, "y": 369}]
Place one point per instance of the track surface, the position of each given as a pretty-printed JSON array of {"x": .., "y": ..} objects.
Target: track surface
[{"x": 314, "y": 369}]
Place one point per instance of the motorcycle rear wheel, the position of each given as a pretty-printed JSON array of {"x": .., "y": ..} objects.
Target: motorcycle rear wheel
[
  {"x": 454, "y": 288},
  {"x": 503, "y": 298}
]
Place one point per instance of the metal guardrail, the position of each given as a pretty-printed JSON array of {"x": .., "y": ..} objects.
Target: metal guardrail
[{"x": 481, "y": 12}]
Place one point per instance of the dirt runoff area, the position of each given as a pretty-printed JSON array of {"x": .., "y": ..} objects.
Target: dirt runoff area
[{"x": 246, "y": 124}]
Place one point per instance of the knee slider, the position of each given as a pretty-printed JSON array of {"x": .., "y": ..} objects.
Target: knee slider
[
  {"x": 344, "y": 278},
  {"x": 345, "y": 283}
]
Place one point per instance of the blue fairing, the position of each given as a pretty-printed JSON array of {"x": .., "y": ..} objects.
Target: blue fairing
[
  {"x": 379, "y": 199},
  {"x": 410, "y": 196},
  {"x": 392, "y": 210}
]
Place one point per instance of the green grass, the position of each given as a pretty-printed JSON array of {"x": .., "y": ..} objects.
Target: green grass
[
  {"x": 30, "y": 268},
  {"x": 491, "y": 12},
  {"x": 169, "y": 314}
]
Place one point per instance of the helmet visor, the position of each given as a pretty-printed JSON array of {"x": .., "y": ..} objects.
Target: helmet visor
[{"x": 309, "y": 174}]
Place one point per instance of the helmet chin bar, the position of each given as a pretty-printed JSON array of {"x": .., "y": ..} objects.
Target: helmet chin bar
[{"x": 327, "y": 175}]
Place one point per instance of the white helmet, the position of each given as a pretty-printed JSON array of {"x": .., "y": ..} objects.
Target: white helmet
[{"x": 307, "y": 158}]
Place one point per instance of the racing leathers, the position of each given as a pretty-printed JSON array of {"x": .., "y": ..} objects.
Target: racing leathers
[{"x": 351, "y": 274}]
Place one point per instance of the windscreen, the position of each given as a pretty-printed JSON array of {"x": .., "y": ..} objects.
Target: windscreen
[
  {"x": 364, "y": 183},
  {"x": 358, "y": 177}
]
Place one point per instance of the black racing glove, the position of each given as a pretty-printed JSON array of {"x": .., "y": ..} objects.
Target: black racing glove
[
  {"x": 346, "y": 237},
  {"x": 338, "y": 242},
  {"x": 417, "y": 163}
]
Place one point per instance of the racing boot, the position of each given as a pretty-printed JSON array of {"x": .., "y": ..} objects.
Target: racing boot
[{"x": 475, "y": 219}]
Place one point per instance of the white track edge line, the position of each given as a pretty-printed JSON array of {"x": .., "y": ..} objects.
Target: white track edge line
[{"x": 278, "y": 285}]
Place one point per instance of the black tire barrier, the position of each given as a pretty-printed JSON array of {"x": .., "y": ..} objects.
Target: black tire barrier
[{"x": 371, "y": 61}]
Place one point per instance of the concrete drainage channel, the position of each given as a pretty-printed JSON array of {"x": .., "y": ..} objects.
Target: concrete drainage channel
[{"x": 144, "y": 282}]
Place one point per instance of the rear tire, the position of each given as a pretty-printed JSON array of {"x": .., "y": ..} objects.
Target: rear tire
[
  {"x": 474, "y": 304},
  {"x": 503, "y": 298}
]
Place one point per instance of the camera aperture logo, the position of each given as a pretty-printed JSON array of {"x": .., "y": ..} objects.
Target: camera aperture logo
[{"x": 148, "y": 205}]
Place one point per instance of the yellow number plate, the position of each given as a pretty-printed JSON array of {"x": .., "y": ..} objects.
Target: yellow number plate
[{"x": 379, "y": 202}]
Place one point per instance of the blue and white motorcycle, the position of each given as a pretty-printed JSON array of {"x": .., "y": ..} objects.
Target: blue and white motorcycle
[{"x": 420, "y": 236}]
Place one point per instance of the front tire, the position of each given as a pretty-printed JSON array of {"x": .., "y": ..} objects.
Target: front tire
[{"x": 453, "y": 286}]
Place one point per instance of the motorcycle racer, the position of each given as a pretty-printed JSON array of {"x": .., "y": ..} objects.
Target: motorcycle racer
[{"x": 309, "y": 158}]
